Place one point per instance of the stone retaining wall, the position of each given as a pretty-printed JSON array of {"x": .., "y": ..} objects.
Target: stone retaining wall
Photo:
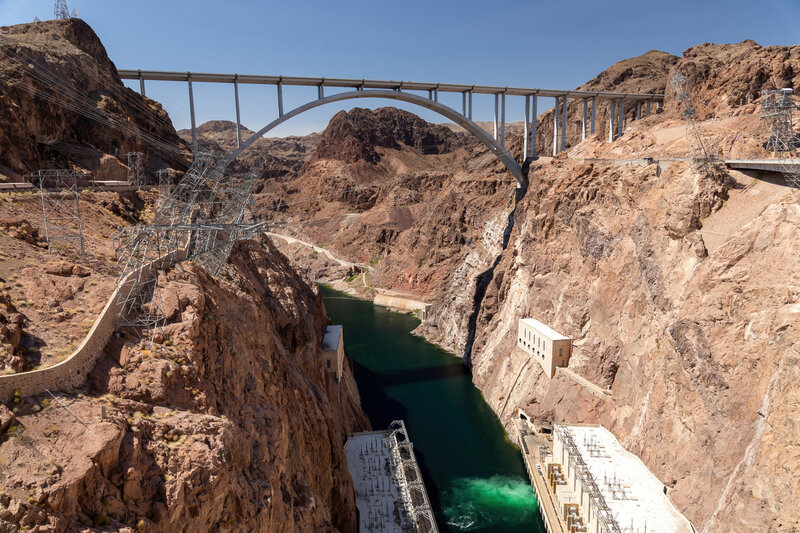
[{"x": 72, "y": 371}]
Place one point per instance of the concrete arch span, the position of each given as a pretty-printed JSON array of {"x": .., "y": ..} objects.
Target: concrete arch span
[{"x": 501, "y": 153}]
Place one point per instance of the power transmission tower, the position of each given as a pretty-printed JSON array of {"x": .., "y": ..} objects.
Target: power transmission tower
[
  {"x": 61, "y": 207},
  {"x": 699, "y": 148},
  {"x": 776, "y": 110},
  {"x": 203, "y": 211},
  {"x": 135, "y": 169},
  {"x": 61, "y": 10}
]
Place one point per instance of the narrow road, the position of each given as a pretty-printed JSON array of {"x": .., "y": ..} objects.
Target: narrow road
[{"x": 320, "y": 250}]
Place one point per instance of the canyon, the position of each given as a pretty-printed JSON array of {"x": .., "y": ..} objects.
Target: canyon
[{"x": 678, "y": 284}]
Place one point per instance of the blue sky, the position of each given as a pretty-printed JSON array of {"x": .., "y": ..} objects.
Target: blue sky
[{"x": 506, "y": 43}]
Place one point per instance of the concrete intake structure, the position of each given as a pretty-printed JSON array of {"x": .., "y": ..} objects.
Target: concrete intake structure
[
  {"x": 550, "y": 348},
  {"x": 333, "y": 350},
  {"x": 398, "y": 90}
]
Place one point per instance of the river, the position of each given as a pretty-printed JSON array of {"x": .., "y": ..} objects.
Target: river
[{"x": 475, "y": 477}]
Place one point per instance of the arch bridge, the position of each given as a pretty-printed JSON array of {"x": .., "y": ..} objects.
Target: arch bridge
[{"x": 409, "y": 92}]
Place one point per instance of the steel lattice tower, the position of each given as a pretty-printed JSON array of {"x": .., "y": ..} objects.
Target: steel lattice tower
[
  {"x": 61, "y": 10},
  {"x": 776, "y": 110},
  {"x": 699, "y": 148},
  {"x": 61, "y": 207},
  {"x": 136, "y": 169},
  {"x": 204, "y": 212}
]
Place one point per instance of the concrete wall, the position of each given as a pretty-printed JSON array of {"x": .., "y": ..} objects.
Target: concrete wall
[
  {"x": 398, "y": 302},
  {"x": 72, "y": 371}
]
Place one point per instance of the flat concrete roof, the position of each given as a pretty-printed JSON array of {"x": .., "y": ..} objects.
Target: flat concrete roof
[
  {"x": 376, "y": 490},
  {"x": 330, "y": 341},
  {"x": 635, "y": 496},
  {"x": 544, "y": 329}
]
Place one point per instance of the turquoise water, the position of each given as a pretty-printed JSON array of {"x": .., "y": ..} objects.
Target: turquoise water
[{"x": 475, "y": 478}]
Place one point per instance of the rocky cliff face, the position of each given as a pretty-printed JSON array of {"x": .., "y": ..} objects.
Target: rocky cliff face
[
  {"x": 696, "y": 347},
  {"x": 678, "y": 286},
  {"x": 232, "y": 424},
  {"x": 276, "y": 158},
  {"x": 64, "y": 105}
]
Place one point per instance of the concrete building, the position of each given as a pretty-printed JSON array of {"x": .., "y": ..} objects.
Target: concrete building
[
  {"x": 333, "y": 350},
  {"x": 586, "y": 481},
  {"x": 390, "y": 494},
  {"x": 549, "y": 347}
]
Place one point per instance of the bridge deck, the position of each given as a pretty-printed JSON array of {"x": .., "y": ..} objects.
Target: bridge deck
[
  {"x": 206, "y": 77},
  {"x": 774, "y": 165}
]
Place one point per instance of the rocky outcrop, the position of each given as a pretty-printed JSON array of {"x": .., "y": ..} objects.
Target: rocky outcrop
[
  {"x": 64, "y": 105},
  {"x": 232, "y": 423},
  {"x": 724, "y": 78},
  {"x": 353, "y": 136},
  {"x": 275, "y": 158}
]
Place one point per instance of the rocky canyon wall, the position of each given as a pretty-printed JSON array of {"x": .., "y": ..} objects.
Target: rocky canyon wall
[{"x": 228, "y": 422}]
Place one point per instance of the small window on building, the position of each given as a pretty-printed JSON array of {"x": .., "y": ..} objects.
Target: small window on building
[{"x": 329, "y": 363}]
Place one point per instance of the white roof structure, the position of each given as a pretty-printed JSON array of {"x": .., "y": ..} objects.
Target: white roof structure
[
  {"x": 330, "y": 341},
  {"x": 544, "y": 329},
  {"x": 635, "y": 496}
]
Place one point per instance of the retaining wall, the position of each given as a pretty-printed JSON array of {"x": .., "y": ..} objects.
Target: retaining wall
[
  {"x": 398, "y": 302},
  {"x": 73, "y": 370}
]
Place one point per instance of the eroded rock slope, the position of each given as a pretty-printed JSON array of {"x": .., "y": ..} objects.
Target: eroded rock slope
[{"x": 232, "y": 424}]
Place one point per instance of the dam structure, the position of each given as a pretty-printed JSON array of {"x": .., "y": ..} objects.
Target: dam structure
[{"x": 390, "y": 494}]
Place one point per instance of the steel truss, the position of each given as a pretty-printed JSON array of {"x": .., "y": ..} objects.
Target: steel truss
[
  {"x": 136, "y": 169},
  {"x": 776, "y": 110},
  {"x": 699, "y": 147},
  {"x": 61, "y": 207},
  {"x": 413, "y": 494},
  {"x": 60, "y": 10},
  {"x": 204, "y": 214}
]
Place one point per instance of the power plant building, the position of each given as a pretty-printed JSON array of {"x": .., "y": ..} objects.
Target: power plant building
[{"x": 597, "y": 486}]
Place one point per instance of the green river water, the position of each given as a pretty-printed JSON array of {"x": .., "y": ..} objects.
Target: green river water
[{"x": 475, "y": 477}]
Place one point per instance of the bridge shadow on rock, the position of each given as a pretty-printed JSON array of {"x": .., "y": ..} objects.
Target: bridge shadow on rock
[
  {"x": 381, "y": 410},
  {"x": 414, "y": 375}
]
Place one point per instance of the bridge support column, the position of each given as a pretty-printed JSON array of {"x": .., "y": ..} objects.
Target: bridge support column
[
  {"x": 647, "y": 109},
  {"x": 469, "y": 103},
  {"x": 638, "y": 110},
  {"x": 526, "y": 127},
  {"x": 321, "y": 91},
  {"x": 141, "y": 84},
  {"x": 612, "y": 105},
  {"x": 238, "y": 117},
  {"x": 464, "y": 103},
  {"x": 503, "y": 120},
  {"x": 191, "y": 114},
  {"x": 621, "y": 117},
  {"x": 534, "y": 114},
  {"x": 280, "y": 99},
  {"x": 594, "y": 114},
  {"x": 496, "y": 104},
  {"x": 564, "y": 123},
  {"x": 555, "y": 128},
  {"x": 583, "y": 119}
]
